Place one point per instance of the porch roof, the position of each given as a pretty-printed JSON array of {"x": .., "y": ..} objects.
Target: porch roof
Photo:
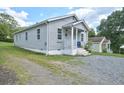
[
  {"x": 75, "y": 23},
  {"x": 69, "y": 24}
]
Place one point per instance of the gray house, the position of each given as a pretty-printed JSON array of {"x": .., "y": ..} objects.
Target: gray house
[{"x": 55, "y": 36}]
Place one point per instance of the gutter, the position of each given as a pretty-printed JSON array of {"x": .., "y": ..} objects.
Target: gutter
[{"x": 32, "y": 26}]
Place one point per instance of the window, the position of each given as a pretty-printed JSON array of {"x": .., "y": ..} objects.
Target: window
[
  {"x": 38, "y": 34},
  {"x": 59, "y": 33},
  {"x": 26, "y": 35},
  {"x": 108, "y": 46},
  {"x": 16, "y": 37},
  {"x": 82, "y": 37},
  {"x": 19, "y": 36},
  {"x": 73, "y": 18},
  {"x": 66, "y": 33}
]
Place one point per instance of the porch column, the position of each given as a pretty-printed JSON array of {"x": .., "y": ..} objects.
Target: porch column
[
  {"x": 76, "y": 36},
  {"x": 72, "y": 36}
]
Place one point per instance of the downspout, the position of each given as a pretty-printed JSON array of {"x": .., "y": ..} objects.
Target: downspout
[{"x": 47, "y": 48}]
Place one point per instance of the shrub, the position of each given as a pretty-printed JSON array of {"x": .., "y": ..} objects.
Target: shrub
[
  {"x": 104, "y": 50},
  {"x": 7, "y": 40},
  {"x": 88, "y": 46}
]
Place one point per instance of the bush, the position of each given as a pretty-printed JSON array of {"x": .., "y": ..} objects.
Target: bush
[
  {"x": 88, "y": 46},
  {"x": 104, "y": 50},
  {"x": 7, "y": 40}
]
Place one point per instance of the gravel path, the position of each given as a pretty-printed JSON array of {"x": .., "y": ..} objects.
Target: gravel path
[{"x": 103, "y": 69}]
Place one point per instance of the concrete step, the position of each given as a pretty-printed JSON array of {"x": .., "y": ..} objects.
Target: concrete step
[{"x": 81, "y": 51}]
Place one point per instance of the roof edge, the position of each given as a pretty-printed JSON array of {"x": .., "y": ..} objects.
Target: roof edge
[{"x": 46, "y": 21}]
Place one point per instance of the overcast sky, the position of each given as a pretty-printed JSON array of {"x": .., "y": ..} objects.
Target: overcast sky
[{"x": 30, "y": 15}]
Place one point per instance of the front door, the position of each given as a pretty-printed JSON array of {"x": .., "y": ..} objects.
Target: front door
[{"x": 67, "y": 42}]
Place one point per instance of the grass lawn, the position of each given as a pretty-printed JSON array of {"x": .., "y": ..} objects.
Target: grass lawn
[
  {"x": 109, "y": 54},
  {"x": 8, "y": 50}
]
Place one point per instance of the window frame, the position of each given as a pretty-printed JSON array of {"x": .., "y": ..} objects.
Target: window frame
[
  {"x": 19, "y": 36},
  {"x": 59, "y": 34},
  {"x": 26, "y": 35},
  {"x": 38, "y": 34},
  {"x": 82, "y": 37},
  {"x": 16, "y": 37}
]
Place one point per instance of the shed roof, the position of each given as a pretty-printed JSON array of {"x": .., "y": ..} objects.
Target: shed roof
[
  {"x": 106, "y": 41},
  {"x": 99, "y": 39},
  {"x": 96, "y": 39}
]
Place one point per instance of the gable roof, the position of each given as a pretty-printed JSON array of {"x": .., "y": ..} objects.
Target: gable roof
[
  {"x": 77, "y": 22},
  {"x": 106, "y": 41},
  {"x": 61, "y": 17},
  {"x": 48, "y": 20},
  {"x": 99, "y": 40},
  {"x": 96, "y": 39}
]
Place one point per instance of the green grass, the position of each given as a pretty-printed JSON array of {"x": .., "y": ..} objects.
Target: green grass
[
  {"x": 21, "y": 74},
  {"x": 7, "y": 49},
  {"x": 109, "y": 54}
]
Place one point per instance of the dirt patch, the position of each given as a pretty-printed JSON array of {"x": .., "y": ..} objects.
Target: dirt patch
[
  {"x": 7, "y": 77},
  {"x": 15, "y": 64}
]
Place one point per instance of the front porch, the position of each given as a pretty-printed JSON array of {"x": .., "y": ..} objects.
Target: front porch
[{"x": 73, "y": 40}]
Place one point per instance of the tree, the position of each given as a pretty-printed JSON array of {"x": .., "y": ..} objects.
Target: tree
[
  {"x": 3, "y": 31},
  {"x": 91, "y": 33},
  {"x": 113, "y": 28},
  {"x": 8, "y": 25}
]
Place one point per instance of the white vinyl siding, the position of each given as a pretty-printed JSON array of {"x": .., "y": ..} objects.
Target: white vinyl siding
[
  {"x": 16, "y": 37},
  {"x": 54, "y": 42},
  {"x": 32, "y": 41}
]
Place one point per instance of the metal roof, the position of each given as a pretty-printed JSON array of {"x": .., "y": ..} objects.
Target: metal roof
[{"x": 46, "y": 21}]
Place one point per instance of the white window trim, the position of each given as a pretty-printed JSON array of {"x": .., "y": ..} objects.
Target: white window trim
[
  {"x": 26, "y": 36},
  {"x": 38, "y": 34},
  {"x": 59, "y": 34},
  {"x": 81, "y": 37}
]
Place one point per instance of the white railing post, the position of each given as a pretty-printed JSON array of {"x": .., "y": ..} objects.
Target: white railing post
[{"x": 76, "y": 36}]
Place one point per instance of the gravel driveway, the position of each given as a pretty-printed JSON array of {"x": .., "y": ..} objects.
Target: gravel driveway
[
  {"x": 88, "y": 70},
  {"x": 103, "y": 69},
  {"x": 40, "y": 75},
  {"x": 91, "y": 70}
]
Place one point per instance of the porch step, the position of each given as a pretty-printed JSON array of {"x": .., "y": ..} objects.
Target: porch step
[{"x": 81, "y": 51}]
